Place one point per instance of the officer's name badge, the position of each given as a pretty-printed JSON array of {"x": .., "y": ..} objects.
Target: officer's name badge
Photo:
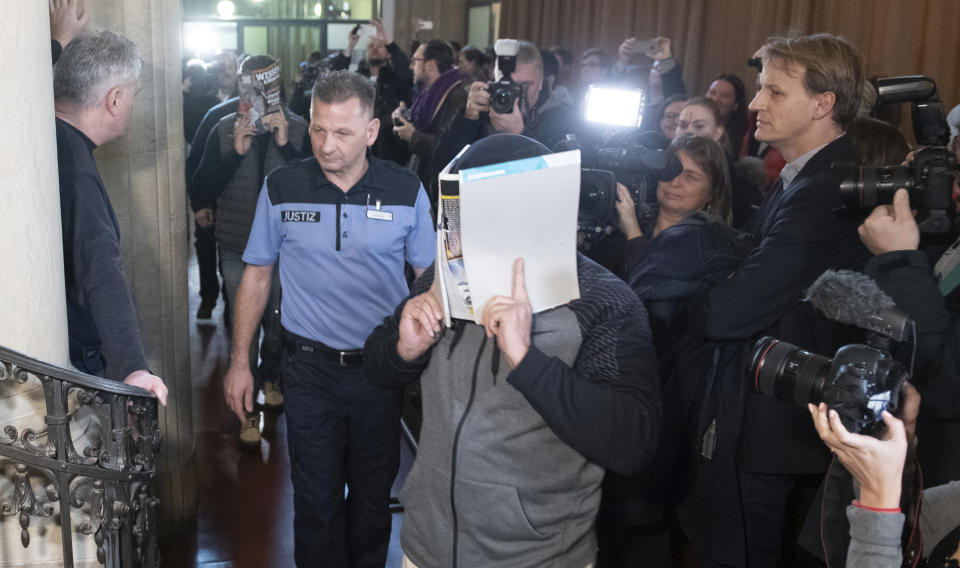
[
  {"x": 379, "y": 214},
  {"x": 288, "y": 216}
]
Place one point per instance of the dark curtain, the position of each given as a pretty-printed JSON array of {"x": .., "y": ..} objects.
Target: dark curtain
[{"x": 709, "y": 37}]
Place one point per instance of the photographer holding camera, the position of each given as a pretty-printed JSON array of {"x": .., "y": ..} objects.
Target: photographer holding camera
[
  {"x": 438, "y": 98},
  {"x": 891, "y": 233},
  {"x": 536, "y": 112},
  {"x": 877, "y": 465}
]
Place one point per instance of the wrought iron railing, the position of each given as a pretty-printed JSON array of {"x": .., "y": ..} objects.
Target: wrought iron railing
[{"x": 105, "y": 476}]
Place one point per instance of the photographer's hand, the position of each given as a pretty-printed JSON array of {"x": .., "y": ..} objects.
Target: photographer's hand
[
  {"x": 510, "y": 318},
  {"x": 380, "y": 32},
  {"x": 477, "y": 101},
  {"x": 397, "y": 112},
  {"x": 876, "y": 464},
  {"x": 661, "y": 49},
  {"x": 405, "y": 130},
  {"x": 891, "y": 227},
  {"x": 511, "y": 123},
  {"x": 627, "y": 212},
  {"x": 625, "y": 53}
]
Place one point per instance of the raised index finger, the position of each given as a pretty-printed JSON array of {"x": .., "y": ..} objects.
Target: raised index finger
[{"x": 519, "y": 287}]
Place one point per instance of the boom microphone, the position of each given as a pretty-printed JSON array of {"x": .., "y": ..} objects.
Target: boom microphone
[{"x": 854, "y": 298}]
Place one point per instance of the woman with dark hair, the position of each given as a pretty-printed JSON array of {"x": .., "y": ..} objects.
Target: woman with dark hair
[
  {"x": 703, "y": 185},
  {"x": 701, "y": 116},
  {"x": 675, "y": 252},
  {"x": 728, "y": 92},
  {"x": 877, "y": 142}
]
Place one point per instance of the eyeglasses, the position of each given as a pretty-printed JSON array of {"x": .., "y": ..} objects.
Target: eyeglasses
[
  {"x": 671, "y": 115},
  {"x": 414, "y": 59}
]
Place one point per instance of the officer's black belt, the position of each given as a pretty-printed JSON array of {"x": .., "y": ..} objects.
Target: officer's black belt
[{"x": 294, "y": 343}]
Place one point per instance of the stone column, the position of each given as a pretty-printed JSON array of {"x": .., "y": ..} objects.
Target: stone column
[
  {"x": 33, "y": 311},
  {"x": 143, "y": 172}
]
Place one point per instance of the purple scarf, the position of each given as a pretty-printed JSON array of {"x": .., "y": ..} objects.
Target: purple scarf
[{"x": 425, "y": 102}]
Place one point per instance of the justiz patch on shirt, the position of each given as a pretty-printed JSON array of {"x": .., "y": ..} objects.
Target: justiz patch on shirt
[{"x": 288, "y": 216}]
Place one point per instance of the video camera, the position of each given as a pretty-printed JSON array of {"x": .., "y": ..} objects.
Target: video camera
[
  {"x": 504, "y": 91},
  {"x": 638, "y": 160},
  {"x": 929, "y": 177},
  {"x": 862, "y": 380}
]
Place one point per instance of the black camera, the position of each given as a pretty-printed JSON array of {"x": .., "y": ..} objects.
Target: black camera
[
  {"x": 860, "y": 382},
  {"x": 505, "y": 92},
  {"x": 929, "y": 177},
  {"x": 639, "y": 160}
]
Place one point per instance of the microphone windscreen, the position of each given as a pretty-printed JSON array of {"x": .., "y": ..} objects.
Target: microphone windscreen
[{"x": 848, "y": 297}]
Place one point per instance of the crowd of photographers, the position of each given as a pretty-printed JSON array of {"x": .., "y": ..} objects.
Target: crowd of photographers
[{"x": 720, "y": 239}]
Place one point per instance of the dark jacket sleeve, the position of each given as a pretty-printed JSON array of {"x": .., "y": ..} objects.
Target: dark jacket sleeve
[
  {"x": 803, "y": 237},
  {"x": 385, "y": 368},
  {"x": 97, "y": 267},
  {"x": 633, "y": 250},
  {"x": 906, "y": 277},
  {"x": 199, "y": 142},
  {"x": 422, "y": 142},
  {"x": 213, "y": 173},
  {"x": 613, "y": 421},
  {"x": 460, "y": 132}
]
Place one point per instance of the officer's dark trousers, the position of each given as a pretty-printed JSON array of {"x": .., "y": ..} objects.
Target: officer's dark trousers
[
  {"x": 340, "y": 430},
  {"x": 206, "y": 247}
]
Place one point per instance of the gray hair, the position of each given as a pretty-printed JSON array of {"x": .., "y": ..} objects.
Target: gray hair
[
  {"x": 340, "y": 86},
  {"x": 528, "y": 53},
  {"x": 92, "y": 64}
]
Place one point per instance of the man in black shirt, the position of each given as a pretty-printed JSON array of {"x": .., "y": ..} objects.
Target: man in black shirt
[{"x": 94, "y": 85}]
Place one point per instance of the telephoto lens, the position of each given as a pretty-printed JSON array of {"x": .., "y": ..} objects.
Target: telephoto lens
[
  {"x": 869, "y": 186},
  {"x": 860, "y": 382},
  {"x": 785, "y": 372}
]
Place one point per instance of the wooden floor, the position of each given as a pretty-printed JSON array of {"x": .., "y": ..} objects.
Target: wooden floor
[{"x": 245, "y": 517}]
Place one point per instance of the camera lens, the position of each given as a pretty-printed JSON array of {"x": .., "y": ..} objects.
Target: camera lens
[
  {"x": 501, "y": 99},
  {"x": 784, "y": 371},
  {"x": 598, "y": 194},
  {"x": 869, "y": 186}
]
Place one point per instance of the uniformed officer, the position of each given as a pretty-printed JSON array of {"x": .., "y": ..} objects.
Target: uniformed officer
[{"x": 342, "y": 224}]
